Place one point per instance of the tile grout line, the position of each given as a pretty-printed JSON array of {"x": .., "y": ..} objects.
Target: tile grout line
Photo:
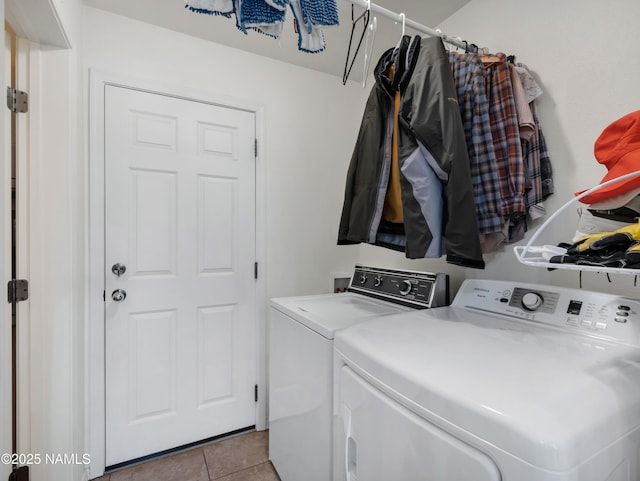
[
  {"x": 206, "y": 465},
  {"x": 241, "y": 470}
]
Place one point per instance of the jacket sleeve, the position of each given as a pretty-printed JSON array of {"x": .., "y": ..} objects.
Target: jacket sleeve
[
  {"x": 363, "y": 177},
  {"x": 432, "y": 114}
]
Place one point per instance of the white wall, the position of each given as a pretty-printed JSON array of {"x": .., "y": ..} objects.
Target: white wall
[
  {"x": 68, "y": 12},
  {"x": 51, "y": 294},
  {"x": 581, "y": 54}
]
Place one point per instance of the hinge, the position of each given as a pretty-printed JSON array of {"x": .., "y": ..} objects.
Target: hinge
[
  {"x": 255, "y": 148},
  {"x": 17, "y": 290},
  {"x": 17, "y": 100},
  {"x": 255, "y": 393},
  {"x": 255, "y": 270}
]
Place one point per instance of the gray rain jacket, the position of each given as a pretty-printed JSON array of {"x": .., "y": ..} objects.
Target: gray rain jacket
[{"x": 436, "y": 189}]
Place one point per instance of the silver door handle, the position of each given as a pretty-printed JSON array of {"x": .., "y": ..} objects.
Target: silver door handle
[
  {"x": 118, "y": 269},
  {"x": 119, "y": 295}
]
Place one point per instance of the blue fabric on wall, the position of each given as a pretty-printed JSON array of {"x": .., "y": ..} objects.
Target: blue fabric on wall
[
  {"x": 211, "y": 7},
  {"x": 268, "y": 16},
  {"x": 258, "y": 15},
  {"x": 319, "y": 12}
]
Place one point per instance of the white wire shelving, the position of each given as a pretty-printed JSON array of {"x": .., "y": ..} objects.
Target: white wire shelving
[{"x": 530, "y": 254}]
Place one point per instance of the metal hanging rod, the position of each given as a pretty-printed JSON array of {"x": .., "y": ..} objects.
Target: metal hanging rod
[{"x": 401, "y": 18}]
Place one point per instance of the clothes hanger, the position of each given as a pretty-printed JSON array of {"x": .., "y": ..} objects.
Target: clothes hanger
[
  {"x": 487, "y": 58},
  {"x": 459, "y": 39},
  {"x": 404, "y": 20},
  {"x": 490, "y": 59},
  {"x": 348, "y": 66},
  {"x": 368, "y": 46}
]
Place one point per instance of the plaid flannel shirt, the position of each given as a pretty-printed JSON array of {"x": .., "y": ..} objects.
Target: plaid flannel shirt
[
  {"x": 468, "y": 74},
  {"x": 506, "y": 136}
]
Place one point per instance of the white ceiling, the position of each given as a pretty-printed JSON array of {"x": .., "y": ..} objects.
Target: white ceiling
[{"x": 171, "y": 14}]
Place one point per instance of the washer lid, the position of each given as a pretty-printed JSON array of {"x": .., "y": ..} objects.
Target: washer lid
[
  {"x": 326, "y": 313},
  {"x": 549, "y": 397}
]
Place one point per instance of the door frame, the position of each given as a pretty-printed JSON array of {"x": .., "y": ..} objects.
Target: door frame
[
  {"x": 26, "y": 151},
  {"x": 6, "y": 348},
  {"x": 26, "y": 70},
  {"x": 98, "y": 81},
  {"x": 36, "y": 25}
]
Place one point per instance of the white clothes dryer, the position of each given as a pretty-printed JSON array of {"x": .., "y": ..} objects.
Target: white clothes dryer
[
  {"x": 512, "y": 382},
  {"x": 301, "y": 334}
]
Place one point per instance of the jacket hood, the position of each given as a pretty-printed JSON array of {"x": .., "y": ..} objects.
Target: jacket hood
[{"x": 403, "y": 57}]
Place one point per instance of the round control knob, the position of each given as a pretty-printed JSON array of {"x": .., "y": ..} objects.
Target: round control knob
[
  {"x": 363, "y": 279},
  {"x": 377, "y": 281},
  {"x": 405, "y": 287},
  {"x": 531, "y": 301}
]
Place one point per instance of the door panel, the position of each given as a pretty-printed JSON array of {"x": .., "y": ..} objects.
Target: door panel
[
  {"x": 180, "y": 215},
  {"x": 152, "y": 372},
  {"x": 153, "y": 222},
  {"x": 215, "y": 354},
  {"x": 378, "y": 439},
  {"x": 216, "y": 225}
]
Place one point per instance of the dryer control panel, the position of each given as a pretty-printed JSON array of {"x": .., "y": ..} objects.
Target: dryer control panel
[
  {"x": 605, "y": 315},
  {"x": 410, "y": 288}
]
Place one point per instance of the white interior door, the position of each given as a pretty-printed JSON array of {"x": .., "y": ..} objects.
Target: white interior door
[{"x": 180, "y": 217}]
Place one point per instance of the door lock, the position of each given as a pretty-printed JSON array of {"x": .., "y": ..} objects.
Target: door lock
[
  {"x": 119, "y": 295},
  {"x": 118, "y": 269}
]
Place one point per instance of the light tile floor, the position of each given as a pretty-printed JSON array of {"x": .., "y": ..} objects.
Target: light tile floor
[{"x": 240, "y": 458}]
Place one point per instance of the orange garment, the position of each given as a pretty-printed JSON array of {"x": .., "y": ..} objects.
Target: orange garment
[{"x": 392, "y": 210}]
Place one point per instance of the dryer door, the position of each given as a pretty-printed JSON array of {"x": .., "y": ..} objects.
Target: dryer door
[{"x": 377, "y": 439}]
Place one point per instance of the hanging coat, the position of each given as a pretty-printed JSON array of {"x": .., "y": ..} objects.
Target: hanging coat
[{"x": 436, "y": 193}]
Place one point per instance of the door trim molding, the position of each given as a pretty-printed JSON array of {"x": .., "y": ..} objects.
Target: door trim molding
[
  {"x": 95, "y": 403},
  {"x": 27, "y": 75},
  {"x": 6, "y": 400}
]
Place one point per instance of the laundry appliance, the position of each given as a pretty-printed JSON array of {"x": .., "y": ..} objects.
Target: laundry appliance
[
  {"x": 301, "y": 334},
  {"x": 512, "y": 382}
]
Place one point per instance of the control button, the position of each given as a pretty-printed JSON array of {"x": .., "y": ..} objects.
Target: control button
[
  {"x": 504, "y": 299},
  {"x": 377, "y": 281},
  {"x": 586, "y": 323},
  {"x": 405, "y": 287},
  {"x": 574, "y": 307},
  {"x": 622, "y": 314},
  {"x": 601, "y": 325},
  {"x": 363, "y": 279},
  {"x": 621, "y": 320},
  {"x": 624, "y": 308},
  {"x": 572, "y": 321},
  {"x": 531, "y": 301}
]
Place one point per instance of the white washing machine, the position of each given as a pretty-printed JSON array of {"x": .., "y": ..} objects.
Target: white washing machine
[
  {"x": 512, "y": 382},
  {"x": 301, "y": 334}
]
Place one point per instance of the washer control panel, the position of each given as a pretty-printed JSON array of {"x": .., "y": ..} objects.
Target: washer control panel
[
  {"x": 591, "y": 312},
  {"x": 409, "y": 288},
  {"x": 533, "y": 300}
]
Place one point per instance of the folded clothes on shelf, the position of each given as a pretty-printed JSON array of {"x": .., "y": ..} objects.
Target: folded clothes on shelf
[{"x": 619, "y": 248}]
